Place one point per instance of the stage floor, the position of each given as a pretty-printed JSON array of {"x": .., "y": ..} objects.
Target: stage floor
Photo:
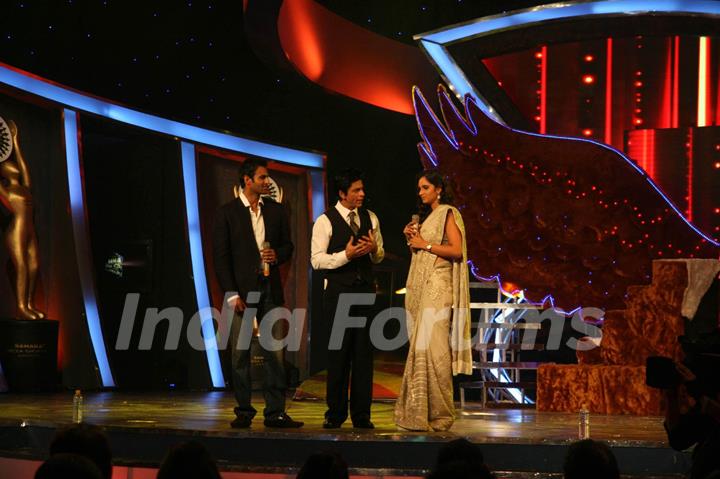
[{"x": 142, "y": 426}]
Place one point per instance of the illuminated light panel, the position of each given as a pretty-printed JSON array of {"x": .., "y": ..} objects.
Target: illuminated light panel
[
  {"x": 666, "y": 110},
  {"x": 644, "y": 153},
  {"x": 82, "y": 246},
  {"x": 543, "y": 91},
  {"x": 703, "y": 73},
  {"x": 317, "y": 182},
  {"x": 79, "y": 101},
  {"x": 690, "y": 175},
  {"x": 650, "y": 154},
  {"x": 435, "y": 42},
  {"x": 676, "y": 84},
  {"x": 608, "y": 91},
  {"x": 198, "y": 265}
]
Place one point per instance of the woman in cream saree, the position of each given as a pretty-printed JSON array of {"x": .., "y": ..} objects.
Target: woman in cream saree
[{"x": 437, "y": 305}]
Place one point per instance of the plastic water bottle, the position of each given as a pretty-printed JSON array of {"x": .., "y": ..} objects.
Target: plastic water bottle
[
  {"x": 584, "y": 424},
  {"x": 77, "y": 407}
]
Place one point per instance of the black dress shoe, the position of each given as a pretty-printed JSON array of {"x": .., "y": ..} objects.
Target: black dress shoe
[
  {"x": 284, "y": 421},
  {"x": 329, "y": 424},
  {"x": 364, "y": 424},
  {"x": 241, "y": 423}
]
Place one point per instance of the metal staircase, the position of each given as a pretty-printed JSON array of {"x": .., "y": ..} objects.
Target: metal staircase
[{"x": 498, "y": 334}]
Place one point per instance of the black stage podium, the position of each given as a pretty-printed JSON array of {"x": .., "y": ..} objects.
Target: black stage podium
[{"x": 28, "y": 354}]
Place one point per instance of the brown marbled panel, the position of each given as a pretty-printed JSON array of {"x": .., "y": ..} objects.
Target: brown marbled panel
[
  {"x": 601, "y": 389},
  {"x": 616, "y": 333}
]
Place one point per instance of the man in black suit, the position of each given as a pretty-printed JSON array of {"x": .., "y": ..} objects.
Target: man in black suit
[
  {"x": 346, "y": 242},
  {"x": 251, "y": 237}
]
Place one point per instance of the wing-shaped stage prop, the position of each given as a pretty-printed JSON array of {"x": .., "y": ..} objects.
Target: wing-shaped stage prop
[{"x": 563, "y": 218}]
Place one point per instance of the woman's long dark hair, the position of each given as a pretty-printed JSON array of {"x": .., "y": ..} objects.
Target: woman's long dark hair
[{"x": 439, "y": 181}]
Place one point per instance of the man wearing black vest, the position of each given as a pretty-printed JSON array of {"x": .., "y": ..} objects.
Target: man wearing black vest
[
  {"x": 346, "y": 241},
  {"x": 251, "y": 237}
]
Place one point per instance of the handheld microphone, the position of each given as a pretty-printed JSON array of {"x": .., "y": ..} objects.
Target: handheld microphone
[
  {"x": 266, "y": 265},
  {"x": 415, "y": 220}
]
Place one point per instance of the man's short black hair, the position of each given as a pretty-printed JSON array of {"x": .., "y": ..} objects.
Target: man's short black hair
[
  {"x": 345, "y": 178},
  {"x": 249, "y": 167}
]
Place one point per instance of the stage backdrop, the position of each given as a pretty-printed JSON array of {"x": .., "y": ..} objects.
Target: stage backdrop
[{"x": 136, "y": 209}]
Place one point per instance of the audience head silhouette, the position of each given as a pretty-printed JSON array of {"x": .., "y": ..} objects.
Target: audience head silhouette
[
  {"x": 86, "y": 440},
  {"x": 460, "y": 470},
  {"x": 189, "y": 460},
  {"x": 588, "y": 459},
  {"x": 327, "y": 465},
  {"x": 64, "y": 466},
  {"x": 460, "y": 450}
]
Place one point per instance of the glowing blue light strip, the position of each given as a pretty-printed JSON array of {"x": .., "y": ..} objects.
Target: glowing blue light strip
[
  {"x": 455, "y": 77},
  {"x": 558, "y": 11},
  {"x": 82, "y": 247},
  {"x": 198, "y": 263},
  {"x": 547, "y": 299},
  {"x": 317, "y": 182},
  {"x": 122, "y": 114},
  {"x": 436, "y": 43}
]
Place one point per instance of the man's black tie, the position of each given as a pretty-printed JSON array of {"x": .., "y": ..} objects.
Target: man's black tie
[{"x": 353, "y": 226}]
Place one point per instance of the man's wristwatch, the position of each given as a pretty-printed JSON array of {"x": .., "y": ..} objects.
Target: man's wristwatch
[{"x": 428, "y": 247}]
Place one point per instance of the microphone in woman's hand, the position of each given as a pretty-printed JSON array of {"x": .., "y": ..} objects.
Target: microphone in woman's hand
[{"x": 415, "y": 220}]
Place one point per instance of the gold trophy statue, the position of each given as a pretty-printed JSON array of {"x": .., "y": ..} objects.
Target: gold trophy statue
[{"x": 20, "y": 237}]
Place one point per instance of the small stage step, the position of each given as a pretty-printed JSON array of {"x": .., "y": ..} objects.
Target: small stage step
[
  {"x": 506, "y": 365},
  {"x": 510, "y": 347}
]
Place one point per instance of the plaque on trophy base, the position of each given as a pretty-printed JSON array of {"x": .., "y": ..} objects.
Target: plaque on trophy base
[{"x": 28, "y": 354}]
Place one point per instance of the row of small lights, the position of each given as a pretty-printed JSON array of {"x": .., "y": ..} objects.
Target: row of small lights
[
  {"x": 560, "y": 177},
  {"x": 588, "y": 81},
  {"x": 638, "y": 86},
  {"x": 538, "y": 91}
]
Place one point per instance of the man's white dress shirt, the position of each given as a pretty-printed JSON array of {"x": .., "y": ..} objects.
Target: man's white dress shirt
[{"x": 322, "y": 231}]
